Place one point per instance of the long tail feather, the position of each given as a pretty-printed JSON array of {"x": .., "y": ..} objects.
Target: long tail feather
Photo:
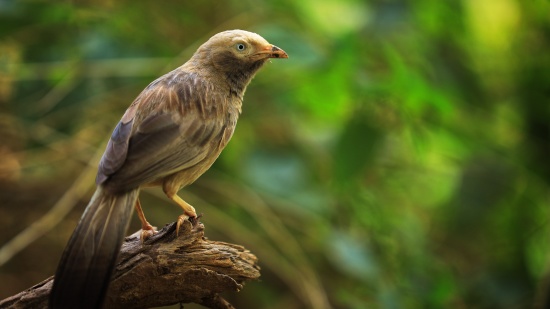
[{"x": 85, "y": 269}]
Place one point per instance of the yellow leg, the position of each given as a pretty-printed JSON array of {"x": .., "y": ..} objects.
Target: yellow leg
[
  {"x": 147, "y": 230},
  {"x": 188, "y": 210}
]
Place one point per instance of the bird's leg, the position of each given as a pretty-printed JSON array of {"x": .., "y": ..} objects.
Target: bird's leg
[
  {"x": 147, "y": 230},
  {"x": 188, "y": 210}
]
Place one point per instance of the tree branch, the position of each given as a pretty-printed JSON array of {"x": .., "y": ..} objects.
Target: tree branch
[{"x": 166, "y": 270}]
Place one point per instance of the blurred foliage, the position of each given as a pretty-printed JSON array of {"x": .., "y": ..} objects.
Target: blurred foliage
[{"x": 398, "y": 159}]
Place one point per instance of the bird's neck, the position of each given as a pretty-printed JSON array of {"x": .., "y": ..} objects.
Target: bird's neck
[
  {"x": 222, "y": 67},
  {"x": 225, "y": 73},
  {"x": 238, "y": 78}
]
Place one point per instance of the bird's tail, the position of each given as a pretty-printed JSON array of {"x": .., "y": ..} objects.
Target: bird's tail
[{"x": 84, "y": 272}]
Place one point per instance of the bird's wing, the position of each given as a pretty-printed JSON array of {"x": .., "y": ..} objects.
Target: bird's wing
[
  {"x": 177, "y": 122},
  {"x": 116, "y": 151}
]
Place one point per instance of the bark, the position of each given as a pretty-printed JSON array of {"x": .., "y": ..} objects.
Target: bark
[{"x": 166, "y": 270}]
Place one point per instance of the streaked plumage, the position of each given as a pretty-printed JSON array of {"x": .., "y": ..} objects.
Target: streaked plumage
[{"x": 169, "y": 136}]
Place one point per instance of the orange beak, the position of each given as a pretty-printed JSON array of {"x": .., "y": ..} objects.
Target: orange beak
[{"x": 271, "y": 51}]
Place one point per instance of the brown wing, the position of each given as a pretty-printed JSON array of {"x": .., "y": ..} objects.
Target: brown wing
[
  {"x": 177, "y": 123},
  {"x": 115, "y": 153}
]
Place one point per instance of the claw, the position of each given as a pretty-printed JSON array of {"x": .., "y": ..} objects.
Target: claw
[
  {"x": 180, "y": 221},
  {"x": 146, "y": 232}
]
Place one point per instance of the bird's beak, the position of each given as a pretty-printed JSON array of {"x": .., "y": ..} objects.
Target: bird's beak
[{"x": 271, "y": 51}]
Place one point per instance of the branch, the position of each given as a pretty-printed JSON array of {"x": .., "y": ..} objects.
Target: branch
[{"x": 166, "y": 270}]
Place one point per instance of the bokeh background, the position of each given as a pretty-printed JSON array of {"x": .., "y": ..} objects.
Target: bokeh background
[{"x": 398, "y": 159}]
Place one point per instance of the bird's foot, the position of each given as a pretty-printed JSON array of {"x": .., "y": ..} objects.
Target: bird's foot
[
  {"x": 146, "y": 232},
  {"x": 183, "y": 218},
  {"x": 180, "y": 221}
]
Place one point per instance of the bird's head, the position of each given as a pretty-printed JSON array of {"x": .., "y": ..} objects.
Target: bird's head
[
  {"x": 241, "y": 46},
  {"x": 237, "y": 54}
]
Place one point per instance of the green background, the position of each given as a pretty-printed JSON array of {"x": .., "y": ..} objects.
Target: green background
[{"x": 397, "y": 159}]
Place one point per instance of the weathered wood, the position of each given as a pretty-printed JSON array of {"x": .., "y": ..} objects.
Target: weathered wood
[{"x": 166, "y": 270}]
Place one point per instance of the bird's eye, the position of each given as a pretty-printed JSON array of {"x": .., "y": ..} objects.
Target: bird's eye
[{"x": 240, "y": 46}]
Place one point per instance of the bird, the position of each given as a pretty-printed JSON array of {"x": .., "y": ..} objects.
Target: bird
[{"x": 169, "y": 136}]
